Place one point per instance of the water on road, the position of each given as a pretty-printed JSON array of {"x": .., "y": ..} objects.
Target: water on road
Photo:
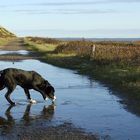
[
  {"x": 81, "y": 101},
  {"x": 21, "y": 52}
]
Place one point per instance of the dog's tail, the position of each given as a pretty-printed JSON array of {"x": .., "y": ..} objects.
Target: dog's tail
[{"x": 2, "y": 86}]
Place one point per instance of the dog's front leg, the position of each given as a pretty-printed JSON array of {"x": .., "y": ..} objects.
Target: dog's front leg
[
  {"x": 28, "y": 96},
  {"x": 7, "y": 96},
  {"x": 27, "y": 113}
]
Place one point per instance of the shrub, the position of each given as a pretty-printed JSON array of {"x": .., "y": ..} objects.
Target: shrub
[{"x": 105, "y": 52}]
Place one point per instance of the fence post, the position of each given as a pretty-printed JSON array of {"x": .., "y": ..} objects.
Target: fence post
[{"x": 93, "y": 47}]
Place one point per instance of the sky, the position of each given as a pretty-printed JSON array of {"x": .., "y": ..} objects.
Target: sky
[{"x": 72, "y": 18}]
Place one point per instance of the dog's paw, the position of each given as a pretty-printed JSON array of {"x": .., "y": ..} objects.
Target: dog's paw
[{"x": 32, "y": 101}]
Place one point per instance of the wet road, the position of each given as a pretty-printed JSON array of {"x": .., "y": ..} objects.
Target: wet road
[{"x": 81, "y": 101}]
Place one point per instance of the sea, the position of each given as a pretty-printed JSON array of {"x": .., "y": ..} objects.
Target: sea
[{"x": 101, "y": 39}]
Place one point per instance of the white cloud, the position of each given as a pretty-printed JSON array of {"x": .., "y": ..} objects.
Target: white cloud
[{"x": 65, "y": 11}]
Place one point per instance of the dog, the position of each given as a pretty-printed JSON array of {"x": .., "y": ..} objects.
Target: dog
[{"x": 11, "y": 77}]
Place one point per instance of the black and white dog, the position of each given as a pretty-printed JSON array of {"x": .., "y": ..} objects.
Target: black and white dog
[{"x": 12, "y": 77}]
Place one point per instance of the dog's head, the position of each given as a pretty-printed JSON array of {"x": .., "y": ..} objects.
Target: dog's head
[{"x": 49, "y": 91}]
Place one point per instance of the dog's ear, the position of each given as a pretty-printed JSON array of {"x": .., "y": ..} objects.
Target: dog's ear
[
  {"x": 50, "y": 89},
  {"x": 50, "y": 92},
  {"x": 47, "y": 83}
]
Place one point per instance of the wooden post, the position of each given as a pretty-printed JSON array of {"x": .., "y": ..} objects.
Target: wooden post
[{"x": 93, "y": 47}]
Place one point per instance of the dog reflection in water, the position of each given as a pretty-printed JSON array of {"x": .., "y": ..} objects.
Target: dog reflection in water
[
  {"x": 9, "y": 122},
  {"x": 46, "y": 113}
]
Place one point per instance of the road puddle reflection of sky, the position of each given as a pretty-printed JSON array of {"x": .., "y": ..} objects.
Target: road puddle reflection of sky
[{"x": 81, "y": 101}]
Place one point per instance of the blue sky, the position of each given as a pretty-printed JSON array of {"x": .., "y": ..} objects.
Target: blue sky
[{"x": 72, "y": 18}]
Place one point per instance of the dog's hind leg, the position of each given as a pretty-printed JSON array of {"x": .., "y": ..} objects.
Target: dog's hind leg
[
  {"x": 2, "y": 86},
  {"x": 7, "y": 95}
]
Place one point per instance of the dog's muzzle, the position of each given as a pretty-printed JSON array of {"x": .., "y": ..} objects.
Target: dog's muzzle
[{"x": 54, "y": 98}]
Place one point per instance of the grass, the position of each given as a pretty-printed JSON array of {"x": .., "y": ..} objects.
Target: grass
[
  {"x": 40, "y": 40},
  {"x": 4, "y": 41},
  {"x": 42, "y": 48},
  {"x": 4, "y": 33},
  {"x": 114, "y": 63},
  {"x": 5, "y": 36}
]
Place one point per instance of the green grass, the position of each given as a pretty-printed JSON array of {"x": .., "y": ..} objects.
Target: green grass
[
  {"x": 42, "y": 48},
  {"x": 4, "y": 41}
]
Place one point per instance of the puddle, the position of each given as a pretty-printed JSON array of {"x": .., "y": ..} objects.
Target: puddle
[
  {"x": 80, "y": 101},
  {"x": 21, "y": 52},
  {"x": 66, "y": 103}
]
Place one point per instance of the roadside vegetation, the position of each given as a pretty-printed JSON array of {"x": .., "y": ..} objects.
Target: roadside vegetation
[
  {"x": 41, "y": 45},
  {"x": 114, "y": 63},
  {"x": 5, "y": 41}
]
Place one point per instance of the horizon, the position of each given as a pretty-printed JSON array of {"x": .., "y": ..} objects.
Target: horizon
[{"x": 72, "y": 19}]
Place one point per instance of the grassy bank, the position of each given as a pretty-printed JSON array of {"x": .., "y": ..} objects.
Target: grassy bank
[
  {"x": 4, "y": 41},
  {"x": 5, "y": 36},
  {"x": 114, "y": 63}
]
